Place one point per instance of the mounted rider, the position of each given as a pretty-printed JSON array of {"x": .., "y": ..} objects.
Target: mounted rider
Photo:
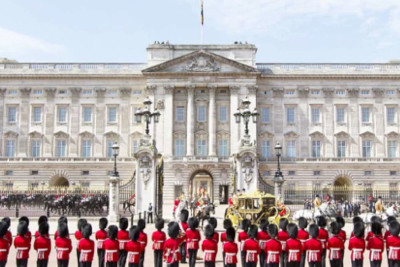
[
  {"x": 317, "y": 202},
  {"x": 379, "y": 206},
  {"x": 281, "y": 207},
  {"x": 132, "y": 199}
]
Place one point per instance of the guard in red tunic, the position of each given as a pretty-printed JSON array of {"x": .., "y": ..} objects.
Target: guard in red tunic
[
  {"x": 22, "y": 245},
  {"x": 43, "y": 245},
  {"x": 122, "y": 237},
  {"x": 282, "y": 237},
  {"x": 230, "y": 248},
  {"x": 355, "y": 220},
  {"x": 375, "y": 245},
  {"x": 209, "y": 247},
  {"x": 323, "y": 236},
  {"x": 242, "y": 237},
  {"x": 393, "y": 244},
  {"x": 313, "y": 247},
  {"x": 101, "y": 236},
  {"x": 142, "y": 240},
  {"x": 214, "y": 223},
  {"x": 273, "y": 248},
  {"x": 251, "y": 247},
  {"x": 370, "y": 234},
  {"x": 133, "y": 248},
  {"x": 357, "y": 245},
  {"x": 4, "y": 245},
  {"x": 294, "y": 246},
  {"x": 86, "y": 247},
  {"x": 171, "y": 246},
  {"x": 111, "y": 247},
  {"x": 158, "y": 237},
  {"x": 63, "y": 245},
  {"x": 176, "y": 204},
  {"x": 227, "y": 223},
  {"x": 28, "y": 233},
  {"x": 342, "y": 233},
  {"x": 193, "y": 240},
  {"x": 183, "y": 226},
  {"x": 335, "y": 246},
  {"x": 262, "y": 238},
  {"x": 78, "y": 235},
  {"x": 8, "y": 235},
  {"x": 40, "y": 221},
  {"x": 303, "y": 236},
  {"x": 61, "y": 220}
]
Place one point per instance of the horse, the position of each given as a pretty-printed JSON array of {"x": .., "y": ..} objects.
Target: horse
[
  {"x": 182, "y": 205},
  {"x": 204, "y": 213},
  {"x": 326, "y": 209},
  {"x": 127, "y": 204}
]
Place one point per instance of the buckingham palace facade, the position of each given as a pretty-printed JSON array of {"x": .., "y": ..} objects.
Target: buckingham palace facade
[{"x": 338, "y": 124}]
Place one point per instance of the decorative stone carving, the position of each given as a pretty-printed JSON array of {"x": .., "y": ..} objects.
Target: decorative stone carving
[
  {"x": 150, "y": 89},
  {"x": 100, "y": 91},
  {"x": 202, "y": 64},
  {"x": 75, "y": 90},
  {"x": 234, "y": 89},
  {"x": 378, "y": 92},
  {"x": 169, "y": 89},
  {"x": 146, "y": 175},
  {"x": 125, "y": 91},
  {"x": 303, "y": 91},
  {"x": 3, "y": 91},
  {"x": 328, "y": 91},
  {"x": 342, "y": 135},
  {"x": 278, "y": 91},
  {"x": 392, "y": 135},
  {"x": 367, "y": 134},
  {"x": 160, "y": 105},
  {"x": 247, "y": 168},
  {"x": 353, "y": 91},
  {"x": 50, "y": 91},
  {"x": 25, "y": 91},
  {"x": 10, "y": 134},
  {"x": 252, "y": 89}
]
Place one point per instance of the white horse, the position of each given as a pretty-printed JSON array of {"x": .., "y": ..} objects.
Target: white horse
[
  {"x": 326, "y": 209},
  {"x": 182, "y": 205},
  {"x": 366, "y": 217},
  {"x": 392, "y": 211}
]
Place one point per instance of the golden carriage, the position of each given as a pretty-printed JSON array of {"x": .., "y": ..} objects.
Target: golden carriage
[{"x": 255, "y": 207}]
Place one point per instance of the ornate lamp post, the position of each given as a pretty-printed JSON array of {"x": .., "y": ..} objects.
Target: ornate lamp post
[
  {"x": 115, "y": 149},
  {"x": 278, "y": 178},
  {"x": 114, "y": 189},
  {"x": 147, "y": 114},
  {"x": 246, "y": 114}
]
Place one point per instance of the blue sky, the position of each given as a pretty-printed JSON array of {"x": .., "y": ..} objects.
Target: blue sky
[{"x": 119, "y": 31}]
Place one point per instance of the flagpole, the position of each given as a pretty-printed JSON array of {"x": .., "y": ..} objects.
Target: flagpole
[{"x": 202, "y": 21}]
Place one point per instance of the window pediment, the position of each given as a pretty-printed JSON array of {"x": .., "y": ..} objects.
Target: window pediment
[
  {"x": 266, "y": 134},
  {"x": 86, "y": 134},
  {"x": 392, "y": 134},
  {"x": 317, "y": 134},
  {"x": 367, "y": 134},
  {"x": 342, "y": 134},
  {"x": 136, "y": 134},
  {"x": 291, "y": 134},
  {"x": 111, "y": 134},
  {"x": 35, "y": 134},
  {"x": 61, "y": 134},
  {"x": 12, "y": 134}
]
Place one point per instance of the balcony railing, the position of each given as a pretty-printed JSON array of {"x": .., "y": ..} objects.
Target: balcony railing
[
  {"x": 348, "y": 159},
  {"x": 71, "y": 67},
  {"x": 64, "y": 159}
]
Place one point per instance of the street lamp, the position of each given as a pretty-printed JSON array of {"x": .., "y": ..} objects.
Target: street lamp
[
  {"x": 278, "y": 178},
  {"x": 245, "y": 113},
  {"x": 147, "y": 114},
  {"x": 115, "y": 149}
]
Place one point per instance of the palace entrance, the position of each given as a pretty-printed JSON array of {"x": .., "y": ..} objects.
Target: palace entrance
[
  {"x": 202, "y": 185},
  {"x": 59, "y": 181},
  {"x": 342, "y": 189}
]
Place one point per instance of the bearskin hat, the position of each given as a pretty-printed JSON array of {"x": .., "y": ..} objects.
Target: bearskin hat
[
  {"x": 87, "y": 231},
  {"x": 321, "y": 221},
  {"x": 230, "y": 234},
  {"x": 283, "y": 222},
  {"x": 24, "y": 219},
  {"x": 375, "y": 219},
  {"x": 390, "y": 219},
  {"x": 42, "y": 219},
  {"x": 103, "y": 222},
  {"x": 292, "y": 230},
  {"x": 303, "y": 223},
  {"x": 63, "y": 230},
  {"x": 376, "y": 228},
  {"x": 253, "y": 230},
  {"x": 245, "y": 225},
  {"x": 358, "y": 230},
  {"x": 134, "y": 233},
  {"x": 123, "y": 223},
  {"x": 22, "y": 228},
  {"x": 227, "y": 223},
  {"x": 193, "y": 223},
  {"x": 44, "y": 229},
  {"x": 3, "y": 229},
  {"x": 173, "y": 230},
  {"x": 213, "y": 222},
  {"x": 63, "y": 219},
  {"x": 394, "y": 228},
  {"x": 209, "y": 231},
  {"x": 141, "y": 224},
  {"x": 159, "y": 224},
  {"x": 357, "y": 219},
  {"x": 334, "y": 228},
  {"x": 263, "y": 225},
  {"x": 7, "y": 221},
  {"x": 184, "y": 216},
  {"x": 81, "y": 223},
  {"x": 340, "y": 221},
  {"x": 313, "y": 230},
  {"x": 272, "y": 230},
  {"x": 112, "y": 232}
]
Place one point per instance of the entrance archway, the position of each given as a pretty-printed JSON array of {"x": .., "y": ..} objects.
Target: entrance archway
[
  {"x": 59, "y": 181},
  {"x": 342, "y": 189},
  {"x": 202, "y": 185}
]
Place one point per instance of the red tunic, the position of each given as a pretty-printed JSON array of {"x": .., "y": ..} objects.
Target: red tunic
[
  {"x": 210, "y": 249},
  {"x": 393, "y": 246},
  {"x": 230, "y": 249},
  {"x": 142, "y": 240},
  {"x": 8, "y": 238},
  {"x": 302, "y": 235},
  {"x": 134, "y": 250},
  {"x": 242, "y": 236},
  {"x": 43, "y": 247},
  {"x": 387, "y": 234},
  {"x": 78, "y": 235},
  {"x": 371, "y": 235},
  {"x": 29, "y": 235},
  {"x": 323, "y": 236},
  {"x": 252, "y": 249},
  {"x": 272, "y": 250},
  {"x": 158, "y": 238},
  {"x": 262, "y": 238},
  {"x": 282, "y": 237},
  {"x": 171, "y": 251},
  {"x": 4, "y": 249},
  {"x": 22, "y": 244},
  {"x": 101, "y": 236},
  {"x": 375, "y": 245},
  {"x": 342, "y": 235},
  {"x": 314, "y": 250},
  {"x": 111, "y": 248},
  {"x": 294, "y": 249},
  {"x": 63, "y": 248},
  {"x": 357, "y": 247},
  {"x": 122, "y": 237},
  {"x": 176, "y": 204},
  {"x": 56, "y": 235},
  {"x": 223, "y": 238},
  {"x": 37, "y": 234},
  {"x": 335, "y": 246},
  {"x": 192, "y": 239},
  {"x": 86, "y": 249},
  {"x": 215, "y": 237}
]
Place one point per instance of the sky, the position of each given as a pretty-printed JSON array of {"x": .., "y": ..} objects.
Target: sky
[{"x": 291, "y": 31}]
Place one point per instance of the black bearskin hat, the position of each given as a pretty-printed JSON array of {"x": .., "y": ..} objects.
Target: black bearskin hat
[
  {"x": 112, "y": 232},
  {"x": 227, "y": 223},
  {"x": 3, "y": 229},
  {"x": 209, "y": 231},
  {"x": 24, "y": 219},
  {"x": 390, "y": 219},
  {"x": 253, "y": 230},
  {"x": 63, "y": 230},
  {"x": 292, "y": 230},
  {"x": 134, "y": 233},
  {"x": 81, "y": 223},
  {"x": 263, "y": 225},
  {"x": 7, "y": 221},
  {"x": 123, "y": 223},
  {"x": 357, "y": 219},
  {"x": 44, "y": 229},
  {"x": 245, "y": 225},
  {"x": 173, "y": 230},
  {"x": 303, "y": 223},
  {"x": 62, "y": 219},
  {"x": 283, "y": 222},
  {"x": 358, "y": 230},
  {"x": 321, "y": 221},
  {"x": 272, "y": 230},
  {"x": 42, "y": 219},
  {"x": 22, "y": 228},
  {"x": 193, "y": 223},
  {"x": 340, "y": 221},
  {"x": 375, "y": 219},
  {"x": 159, "y": 224},
  {"x": 376, "y": 228},
  {"x": 103, "y": 222},
  {"x": 141, "y": 224},
  {"x": 87, "y": 231},
  {"x": 313, "y": 230},
  {"x": 183, "y": 217},
  {"x": 230, "y": 234},
  {"x": 334, "y": 228},
  {"x": 213, "y": 222},
  {"x": 394, "y": 228}
]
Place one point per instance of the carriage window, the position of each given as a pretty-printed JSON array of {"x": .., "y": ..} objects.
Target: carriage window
[
  {"x": 249, "y": 204},
  {"x": 256, "y": 205},
  {"x": 241, "y": 203}
]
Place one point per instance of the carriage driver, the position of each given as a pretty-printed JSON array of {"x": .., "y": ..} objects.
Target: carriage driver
[
  {"x": 281, "y": 207},
  {"x": 379, "y": 206},
  {"x": 317, "y": 202}
]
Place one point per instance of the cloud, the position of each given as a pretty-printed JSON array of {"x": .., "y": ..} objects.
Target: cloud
[{"x": 22, "y": 47}]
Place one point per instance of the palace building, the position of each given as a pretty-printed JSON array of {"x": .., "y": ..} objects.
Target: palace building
[{"x": 338, "y": 124}]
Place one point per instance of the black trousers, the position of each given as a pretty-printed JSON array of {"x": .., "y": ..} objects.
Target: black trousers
[
  {"x": 150, "y": 216},
  {"x": 283, "y": 259},
  {"x": 86, "y": 264},
  {"x": 230, "y": 265},
  {"x": 133, "y": 265},
  {"x": 251, "y": 264},
  {"x": 41, "y": 263},
  {"x": 314, "y": 264},
  {"x": 192, "y": 257},
  {"x": 182, "y": 250},
  {"x": 375, "y": 263},
  {"x": 335, "y": 263},
  {"x": 243, "y": 257},
  {"x": 112, "y": 264},
  {"x": 303, "y": 259},
  {"x": 175, "y": 264},
  {"x": 141, "y": 260},
  {"x": 122, "y": 258},
  {"x": 158, "y": 260},
  {"x": 262, "y": 258},
  {"x": 3, "y": 263},
  {"x": 394, "y": 263},
  {"x": 272, "y": 264},
  {"x": 78, "y": 256},
  {"x": 293, "y": 264},
  {"x": 323, "y": 258},
  {"x": 22, "y": 263},
  {"x": 209, "y": 264},
  {"x": 357, "y": 263},
  {"x": 100, "y": 254},
  {"x": 62, "y": 263}
]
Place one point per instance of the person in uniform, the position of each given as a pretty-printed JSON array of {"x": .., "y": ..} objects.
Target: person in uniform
[
  {"x": 230, "y": 248},
  {"x": 393, "y": 244},
  {"x": 379, "y": 206},
  {"x": 313, "y": 247},
  {"x": 227, "y": 223},
  {"x": 209, "y": 247},
  {"x": 40, "y": 221},
  {"x": 8, "y": 235},
  {"x": 357, "y": 245},
  {"x": 294, "y": 246},
  {"x": 183, "y": 226},
  {"x": 273, "y": 248},
  {"x": 317, "y": 202},
  {"x": 213, "y": 221},
  {"x": 342, "y": 233},
  {"x": 22, "y": 244},
  {"x": 375, "y": 245},
  {"x": 281, "y": 207},
  {"x": 86, "y": 247},
  {"x": 26, "y": 220},
  {"x": 132, "y": 199},
  {"x": 262, "y": 238},
  {"x": 101, "y": 236},
  {"x": 158, "y": 237},
  {"x": 150, "y": 214},
  {"x": 4, "y": 245},
  {"x": 142, "y": 240},
  {"x": 111, "y": 247},
  {"x": 78, "y": 235},
  {"x": 303, "y": 236},
  {"x": 282, "y": 237},
  {"x": 242, "y": 237},
  {"x": 63, "y": 245},
  {"x": 171, "y": 246},
  {"x": 122, "y": 237},
  {"x": 176, "y": 204},
  {"x": 192, "y": 240},
  {"x": 133, "y": 247},
  {"x": 335, "y": 246},
  {"x": 42, "y": 245},
  {"x": 323, "y": 236},
  {"x": 61, "y": 220},
  {"x": 251, "y": 247}
]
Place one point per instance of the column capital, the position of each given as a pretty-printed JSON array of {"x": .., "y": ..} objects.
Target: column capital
[
  {"x": 25, "y": 91},
  {"x": 3, "y": 91},
  {"x": 50, "y": 91},
  {"x": 190, "y": 88},
  {"x": 100, "y": 91},
  {"x": 234, "y": 88},
  {"x": 75, "y": 90},
  {"x": 252, "y": 88},
  {"x": 125, "y": 91},
  {"x": 150, "y": 89},
  {"x": 169, "y": 89}
]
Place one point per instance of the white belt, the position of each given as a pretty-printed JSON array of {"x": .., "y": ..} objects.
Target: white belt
[
  {"x": 357, "y": 254},
  {"x": 208, "y": 255},
  {"x": 293, "y": 255},
  {"x": 100, "y": 243},
  {"x": 335, "y": 254},
  {"x": 190, "y": 244},
  {"x": 375, "y": 254},
  {"x": 251, "y": 256},
  {"x": 122, "y": 244},
  {"x": 108, "y": 255},
  {"x": 283, "y": 245},
  {"x": 19, "y": 252},
  {"x": 3, "y": 250},
  {"x": 40, "y": 253},
  {"x": 229, "y": 258},
  {"x": 323, "y": 241},
  {"x": 262, "y": 244},
  {"x": 174, "y": 254},
  {"x": 131, "y": 256},
  {"x": 272, "y": 256},
  {"x": 393, "y": 253},
  {"x": 313, "y": 255},
  {"x": 157, "y": 244},
  {"x": 84, "y": 255}
]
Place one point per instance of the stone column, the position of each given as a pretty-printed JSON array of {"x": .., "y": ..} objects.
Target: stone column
[
  {"x": 252, "y": 92},
  {"x": 113, "y": 201},
  {"x": 168, "y": 121},
  {"x": 190, "y": 122},
  {"x": 235, "y": 135},
  {"x": 212, "y": 120}
]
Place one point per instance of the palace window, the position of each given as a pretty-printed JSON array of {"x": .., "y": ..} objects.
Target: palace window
[
  {"x": 340, "y": 115},
  {"x": 87, "y": 114},
  {"x": 290, "y": 115},
  {"x": 392, "y": 148},
  {"x": 289, "y": 92},
  {"x": 62, "y": 114},
  {"x": 291, "y": 149},
  {"x": 201, "y": 148},
  {"x": 367, "y": 173},
  {"x": 316, "y": 173},
  {"x": 10, "y": 148},
  {"x": 223, "y": 113},
  {"x": 112, "y": 114},
  {"x": 37, "y": 91},
  {"x": 340, "y": 92},
  {"x": 180, "y": 114},
  {"x": 201, "y": 113},
  {"x": 37, "y": 114},
  {"x": 86, "y": 148},
  {"x": 316, "y": 149},
  {"x": 61, "y": 148},
  {"x": 366, "y": 149},
  {"x": 364, "y": 92},
  {"x": 265, "y": 149},
  {"x": 110, "y": 144},
  {"x": 223, "y": 148},
  {"x": 315, "y": 92},
  {"x": 265, "y": 116},
  {"x": 315, "y": 115},
  {"x": 341, "y": 149},
  {"x": 365, "y": 115},
  {"x": 12, "y": 114},
  {"x": 35, "y": 148},
  {"x": 392, "y": 173},
  {"x": 390, "y": 92},
  {"x": 87, "y": 92},
  {"x": 179, "y": 148},
  {"x": 135, "y": 146},
  {"x": 390, "y": 114},
  {"x": 136, "y": 119}
]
